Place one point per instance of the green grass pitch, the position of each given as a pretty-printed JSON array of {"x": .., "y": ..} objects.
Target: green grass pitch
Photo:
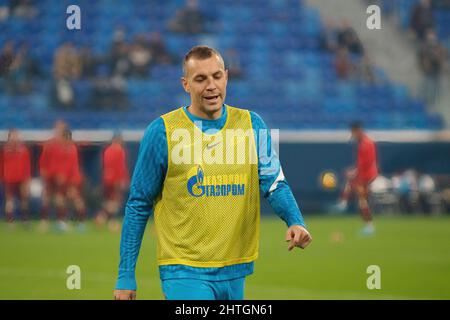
[{"x": 412, "y": 252}]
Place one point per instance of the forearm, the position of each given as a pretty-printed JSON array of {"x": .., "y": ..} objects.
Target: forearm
[
  {"x": 145, "y": 186},
  {"x": 135, "y": 221},
  {"x": 285, "y": 206},
  {"x": 272, "y": 182}
]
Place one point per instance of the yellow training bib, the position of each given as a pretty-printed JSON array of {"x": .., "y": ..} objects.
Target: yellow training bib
[{"x": 208, "y": 212}]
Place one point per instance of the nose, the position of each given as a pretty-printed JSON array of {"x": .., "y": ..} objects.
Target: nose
[{"x": 211, "y": 85}]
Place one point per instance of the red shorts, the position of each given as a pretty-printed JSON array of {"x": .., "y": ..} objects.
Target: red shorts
[
  {"x": 14, "y": 189},
  {"x": 361, "y": 186},
  {"x": 112, "y": 192}
]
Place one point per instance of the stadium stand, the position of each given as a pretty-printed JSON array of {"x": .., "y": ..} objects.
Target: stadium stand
[
  {"x": 286, "y": 77},
  {"x": 440, "y": 12}
]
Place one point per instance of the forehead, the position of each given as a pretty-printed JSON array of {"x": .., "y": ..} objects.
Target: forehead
[{"x": 204, "y": 66}]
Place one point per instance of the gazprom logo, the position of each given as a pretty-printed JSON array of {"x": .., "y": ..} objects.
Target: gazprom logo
[
  {"x": 199, "y": 184},
  {"x": 194, "y": 184}
]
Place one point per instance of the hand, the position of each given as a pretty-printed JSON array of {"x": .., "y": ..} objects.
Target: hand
[
  {"x": 298, "y": 237},
  {"x": 124, "y": 294}
]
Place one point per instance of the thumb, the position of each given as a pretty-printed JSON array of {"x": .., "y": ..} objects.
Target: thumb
[{"x": 290, "y": 237}]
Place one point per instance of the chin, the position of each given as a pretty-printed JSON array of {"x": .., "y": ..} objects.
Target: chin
[{"x": 213, "y": 107}]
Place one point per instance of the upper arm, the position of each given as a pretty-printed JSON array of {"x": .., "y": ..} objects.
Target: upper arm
[
  {"x": 269, "y": 167},
  {"x": 151, "y": 165}
]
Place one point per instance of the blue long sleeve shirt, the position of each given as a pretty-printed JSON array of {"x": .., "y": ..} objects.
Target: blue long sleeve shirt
[{"x": 146, "y": 185}]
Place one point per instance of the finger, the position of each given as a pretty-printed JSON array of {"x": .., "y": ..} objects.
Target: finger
[
  {"x": 305, "y": 236},
  {"x": 306, "y": 242},
  {"x": 291, "y": 245},
  {"x": 288, "y": 235},
  {"x": 297, "y": 236}
]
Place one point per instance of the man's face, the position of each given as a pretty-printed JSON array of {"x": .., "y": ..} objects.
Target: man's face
[
  {"x": 14, "y": 136},
  {"x": 356, "y": 134},
  {"x": 59, "y": 129},
  {"x": 206, "y": 82}
]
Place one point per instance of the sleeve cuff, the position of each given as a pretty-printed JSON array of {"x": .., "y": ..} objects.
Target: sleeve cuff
[
  {"x": 126, "y": 281},
  {"x": 293, "y": 221}
]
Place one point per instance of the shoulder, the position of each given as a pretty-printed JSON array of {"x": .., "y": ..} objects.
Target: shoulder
[
  {"x": 156, "y": 126},
  {"x": 24, "y": 148},
  {"x": 48, "y": 143},
  {"x": 257, "y": 121},
  {"x": 107, "y": 148},
  {"x": 368, "y": 141},
  {"x": 171, "y": 114},
  {"x": 155, "y": 131},
  {"x": 255, "y": 117}
]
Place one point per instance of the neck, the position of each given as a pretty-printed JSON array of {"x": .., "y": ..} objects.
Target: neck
[
  {"x": 361, "y": 137},
  {"x": 198, "y": 112}
]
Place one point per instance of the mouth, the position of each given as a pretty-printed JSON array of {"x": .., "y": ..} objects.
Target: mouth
[{"x": 212, "y": 98}]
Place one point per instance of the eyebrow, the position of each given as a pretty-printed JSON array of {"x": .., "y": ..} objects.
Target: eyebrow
[{"x": 204, "y": 75}]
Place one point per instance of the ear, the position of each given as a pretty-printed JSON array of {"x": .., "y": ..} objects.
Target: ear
[
  {"x": 226, "y": 75},
  {"x": 185, "y": 84}
]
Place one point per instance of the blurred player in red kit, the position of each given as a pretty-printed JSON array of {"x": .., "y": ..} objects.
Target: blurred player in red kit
[
  {"x": 73, "y": 179},
  {"x": 360, "y": 177},
  {"x": 16, "y": 173},
  {"x": 115, "y": 182},
  {"x": 51, "y": 166}
]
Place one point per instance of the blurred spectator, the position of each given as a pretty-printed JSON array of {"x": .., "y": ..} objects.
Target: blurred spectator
[
  {"x": 140, "y": 57},
  {"x": 67, "y": 62},
  {"x": 328, "y": 36},
  {"x": 426, "y": 187},
  {"x": 407, "y": 190},
  {"x": 118, "y": 61},
  {"x": 342, "y": 64},
  {"x": 158, "y": 50},
  {"x": 66, "y": 67},
  {"x": 366, "y": 70},
  {"x": 109, "y": 92},
  {"x": 446, "y": 200},
  {"x": 6, "y": 58},
  {"x": 18, "y": 81},
  {"x": 18, "y": 68},
  {"x": 421, "y": 18},
  {"x": 233, "y": 64},
  {"x": 348, "y": 38},
  {"x": 88, "y": 62},
  {"x": 189, "y": 19},
  {"x": 22, "y": 8},
  {"x": 432, "y": 57}
]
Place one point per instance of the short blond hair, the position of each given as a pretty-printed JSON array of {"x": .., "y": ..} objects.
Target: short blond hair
[{"x": 201, "y": 52}]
